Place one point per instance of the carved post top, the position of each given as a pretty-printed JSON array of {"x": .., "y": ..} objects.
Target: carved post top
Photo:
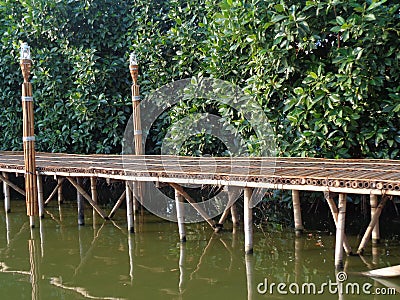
[
  {"x": 26, "y": 68},
  {"x": 25, "y": 61},
  {"x": 133, "y": 67}
]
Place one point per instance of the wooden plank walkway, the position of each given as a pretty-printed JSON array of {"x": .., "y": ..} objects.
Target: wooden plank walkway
[{"x": 361, "y": 176}]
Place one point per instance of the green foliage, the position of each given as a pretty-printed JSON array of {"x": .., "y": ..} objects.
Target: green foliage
[{"x": 325, "y": 72}]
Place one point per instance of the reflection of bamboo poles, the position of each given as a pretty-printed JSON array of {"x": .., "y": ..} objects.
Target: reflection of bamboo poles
[
  {"x": 249, "y": 275},
  {"x": 28, "y": 137},
  {"x": 181, "y": 267},
  {"x": 34, "y": 273},
  {"x": 130, "y": 252}
]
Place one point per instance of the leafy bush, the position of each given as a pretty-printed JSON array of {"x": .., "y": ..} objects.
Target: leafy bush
[{"x": 325, "y": 72}]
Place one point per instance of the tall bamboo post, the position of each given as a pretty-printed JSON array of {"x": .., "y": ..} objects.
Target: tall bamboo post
[
  {"x": 298, "y": 223},
  {"x": 375, "y": 232},
  {"x": 137, "y": 125},
  {"x": 28, "y": 136},
  {"x": 248, "y": 221},
  {"x": 340, "y": 226},
  {"x": 6, "y": 191}
]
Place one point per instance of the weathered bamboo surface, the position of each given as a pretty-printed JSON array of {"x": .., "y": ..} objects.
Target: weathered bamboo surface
[{"x": 363, "y": 176}]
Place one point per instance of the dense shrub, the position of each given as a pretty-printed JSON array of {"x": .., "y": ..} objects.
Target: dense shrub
[{"x": 325, "y": 72}]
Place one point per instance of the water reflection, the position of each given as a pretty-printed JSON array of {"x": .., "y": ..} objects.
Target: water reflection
[{"x": 63, "y": 260}]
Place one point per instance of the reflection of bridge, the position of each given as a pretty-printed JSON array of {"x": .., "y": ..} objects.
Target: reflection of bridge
[{"x": 370, "y": 177}]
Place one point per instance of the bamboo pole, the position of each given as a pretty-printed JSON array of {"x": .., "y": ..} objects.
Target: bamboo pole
[
  {"x": 371, "y": 225},
  {"x": 40, "y": 196},
  {"x": 80, "y": 204},
  {"x": 298, "y": 223},
  {"x": 340, "y": 227},
  {"x": 12, "y": 185},
  {"x": 6, "y": 191},
  {"x": 60, "y": 197},
  {"x": 375, "y": 232},
  {"x": 28, "y": 136},
  {"x": 248, "y": 221},
  {"x": 129, "y": 208},
  {"x": 180, "y": 218},
  {"x": 93, "y": 189},
  {"x": 87, "y": 197},
  {"x": 334, "y": 212},
  {"x": 234, "y": 215},
  {"x": 55, "y": 190},
  {"x": 137, "y": 125}
]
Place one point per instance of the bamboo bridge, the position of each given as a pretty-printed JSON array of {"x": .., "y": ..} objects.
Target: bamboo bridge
[{"x": 331, "y": 176}]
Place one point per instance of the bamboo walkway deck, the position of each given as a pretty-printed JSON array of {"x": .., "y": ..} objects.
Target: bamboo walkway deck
[{"x": 361, "y": 176}]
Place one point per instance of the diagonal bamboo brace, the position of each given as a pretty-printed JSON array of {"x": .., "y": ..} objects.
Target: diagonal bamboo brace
[
  {"x": 88, "y": 198},
  {"x": 334, "y": 212},
  {"x": 371, "y": 225},
  {"x": 189, "y": 199},
  {"x": 12, "y": 185},
  {"x": 53, "y": 193}
]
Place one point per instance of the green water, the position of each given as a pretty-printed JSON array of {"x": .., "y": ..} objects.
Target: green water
[{"x": 60, "y": 260}]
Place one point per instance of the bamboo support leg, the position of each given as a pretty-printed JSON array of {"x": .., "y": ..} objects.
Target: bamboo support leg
[
  {"x": 340, "y": 227},
  {"x": 375, "y": 231},
  {"x": 129, "y": 209},
  {"x": 234, "y": 215},
  {"x": 180, "y": 216},
  {"x": 248, "y": 221},
  {"x": 93, "y": 189},
  {"x": 334, "y": 212},
  {"x": 371, "y": 226},
  {"x": 40, "y": 196},
  {"x": 6, "y": 191},
  {"x": 60, "y": 190},
  {"x": 298, "y": 223},
  {"x": 81, "y": 205}
]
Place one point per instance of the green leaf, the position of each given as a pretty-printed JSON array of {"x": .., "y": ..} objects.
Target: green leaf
[
  {"x": 340, "y": 21},
  {"x": 370, "y": 17},
  {"x": 279, "y": 8},
  {"x": 299, "y": 91}
]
